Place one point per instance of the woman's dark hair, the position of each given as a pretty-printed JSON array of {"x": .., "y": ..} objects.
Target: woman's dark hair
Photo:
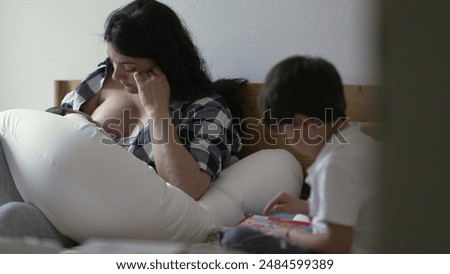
[
  {"x": 149, "y": 29},
  {"x": 304, "y": 85}
]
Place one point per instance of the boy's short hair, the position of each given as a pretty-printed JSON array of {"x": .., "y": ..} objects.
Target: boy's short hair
[{"x": 302, "y": 85}]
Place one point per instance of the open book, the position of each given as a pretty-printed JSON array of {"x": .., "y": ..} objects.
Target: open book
[{"x": 266, "y": 224}]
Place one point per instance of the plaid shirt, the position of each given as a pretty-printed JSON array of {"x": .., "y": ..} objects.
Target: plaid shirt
[{"x": 205, "y": 126}]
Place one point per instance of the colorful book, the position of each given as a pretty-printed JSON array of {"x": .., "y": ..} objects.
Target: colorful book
[{"x": 277, "y": 221}]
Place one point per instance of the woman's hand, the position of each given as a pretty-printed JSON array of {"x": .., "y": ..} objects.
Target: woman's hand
[
  {"x": 154, "y": 90},
  {"x": 286, "y": 203}
]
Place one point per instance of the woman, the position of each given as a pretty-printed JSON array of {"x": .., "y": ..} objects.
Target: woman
[
  {"x": 153, "y": 79},
  {"x": 153, "y": 96}
]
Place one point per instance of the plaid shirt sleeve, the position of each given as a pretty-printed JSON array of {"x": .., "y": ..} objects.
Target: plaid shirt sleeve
[
  {"x": 207, "y": 131},
  {"x": 88, "y": 87}
]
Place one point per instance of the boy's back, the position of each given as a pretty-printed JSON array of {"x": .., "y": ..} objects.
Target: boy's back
[
  {"x": 303, "y": 97},
  {"x": 344, "y": 187}
]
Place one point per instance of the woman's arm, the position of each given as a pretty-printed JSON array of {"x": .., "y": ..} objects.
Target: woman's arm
[{"x": 173, "y": 161}]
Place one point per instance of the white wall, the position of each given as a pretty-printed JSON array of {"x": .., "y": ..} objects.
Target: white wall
[{"x": 48, "y": 39}]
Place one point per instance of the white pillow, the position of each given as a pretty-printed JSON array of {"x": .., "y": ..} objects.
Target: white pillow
[
  {"x": 87, "y": 188},
  {"x": 252, "y": 182}
]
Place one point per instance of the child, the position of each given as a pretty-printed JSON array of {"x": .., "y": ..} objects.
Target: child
[{"x": 303, "y": 98}]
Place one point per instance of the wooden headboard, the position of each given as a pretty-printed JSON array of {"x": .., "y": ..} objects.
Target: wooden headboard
[{"x": 360, "y": 108}]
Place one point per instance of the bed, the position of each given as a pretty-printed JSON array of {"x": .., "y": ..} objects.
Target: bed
[{"x": 232, "y": 199}]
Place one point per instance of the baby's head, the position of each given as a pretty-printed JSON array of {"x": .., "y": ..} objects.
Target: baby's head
[
  {"x": 58, "y": 110},
  {"x": 63, "y": 111}
]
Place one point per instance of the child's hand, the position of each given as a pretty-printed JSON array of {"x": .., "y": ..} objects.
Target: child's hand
[
  {"x": 154, "y": 90},
  {"x": 286, "y": 203}
]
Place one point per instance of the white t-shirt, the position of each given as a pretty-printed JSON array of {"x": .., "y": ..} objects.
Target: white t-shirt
[{"x": 344, "y": 187}]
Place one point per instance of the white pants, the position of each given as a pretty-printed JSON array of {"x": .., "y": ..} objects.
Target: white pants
[{"x": 87, "y": 188}]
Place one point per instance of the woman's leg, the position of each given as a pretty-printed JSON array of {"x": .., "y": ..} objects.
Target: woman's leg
[
  {"x": 8, "y": 189},
  {"x": 255, "y": 242},
  {"x": 19, "y": 219}
]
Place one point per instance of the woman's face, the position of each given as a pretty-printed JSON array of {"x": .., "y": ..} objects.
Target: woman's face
[{"x": 125, "y": 66}]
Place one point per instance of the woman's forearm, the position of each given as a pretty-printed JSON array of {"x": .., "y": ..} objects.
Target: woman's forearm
[{"x": 173, "y": 161}]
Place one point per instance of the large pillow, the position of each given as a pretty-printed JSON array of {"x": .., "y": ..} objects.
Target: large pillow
[
  {"x": 88, "y": 187},
  {"x": 250, "y": 183}
]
